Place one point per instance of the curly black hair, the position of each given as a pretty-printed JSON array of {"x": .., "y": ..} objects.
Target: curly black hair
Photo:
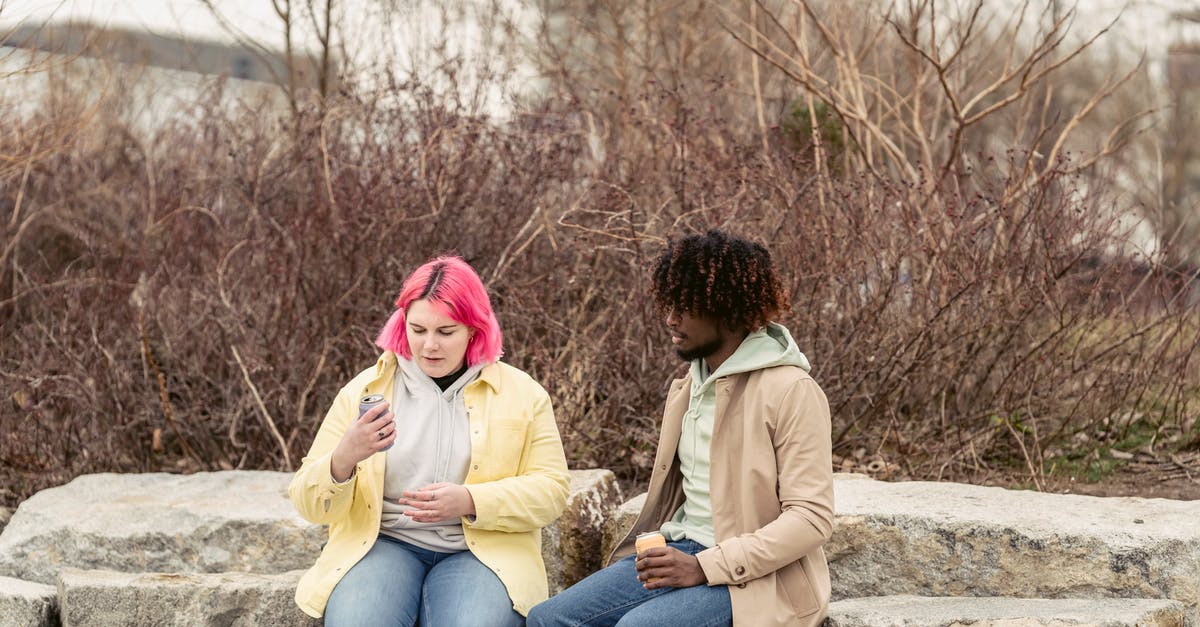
[{"x": 721, "y": 277}]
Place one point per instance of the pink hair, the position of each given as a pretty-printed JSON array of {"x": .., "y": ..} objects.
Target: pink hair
[{"x": 453, "y": 287}]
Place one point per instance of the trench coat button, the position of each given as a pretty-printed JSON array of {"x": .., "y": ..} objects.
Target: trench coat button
[
  {"x": 741, "y": 585},
  {"x": 741, "y": 570},
  {"x": 475, "y": 467}
]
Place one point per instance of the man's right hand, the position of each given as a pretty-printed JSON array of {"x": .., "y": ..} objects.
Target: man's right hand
[
  {"x": 370, "y": 433},
  {"x": 668, "y": 567}
]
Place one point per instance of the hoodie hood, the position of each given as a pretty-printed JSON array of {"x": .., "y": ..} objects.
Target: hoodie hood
[
  {"x": 415, "y": 381},
  {"x": 767, "y": 347}
]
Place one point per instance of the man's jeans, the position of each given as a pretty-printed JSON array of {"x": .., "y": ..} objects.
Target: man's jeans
[
  {"x": 614, "y": 596},
  {"x": 397, "y": 583}
]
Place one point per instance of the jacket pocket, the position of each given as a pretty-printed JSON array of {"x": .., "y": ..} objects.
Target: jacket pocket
[
  {"x": 796, "y": 589},
  {"x": 506, "y": 446}
]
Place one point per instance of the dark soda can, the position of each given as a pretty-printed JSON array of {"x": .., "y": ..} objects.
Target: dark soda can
[{"x": 366, "y": 403}]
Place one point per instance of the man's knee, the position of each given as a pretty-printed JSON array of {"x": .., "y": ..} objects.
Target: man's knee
[{"x": 543, "y": 615}]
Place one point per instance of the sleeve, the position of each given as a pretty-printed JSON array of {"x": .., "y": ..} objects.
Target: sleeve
[
  {"x": 313, "y": 492},
  {"x": 803, "y": 453},
  {"x": 537, "y": 494}
]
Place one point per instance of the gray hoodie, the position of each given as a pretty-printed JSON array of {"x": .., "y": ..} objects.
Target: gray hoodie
[{"x": 432, "y": 444}]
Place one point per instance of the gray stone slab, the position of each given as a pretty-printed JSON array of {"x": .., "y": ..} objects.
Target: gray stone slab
[
  {"x": 620, "y": 523},
  {"x": 237, "y": 521},
  {"x": 27, "y": 603},
  {"x": 205, "y": 522},
  {"x": 571, "y": 545},
  {"x": 916, "y": 611},
  {"x": 99, "y": 598},
  {"x": 948, "y": 539}
]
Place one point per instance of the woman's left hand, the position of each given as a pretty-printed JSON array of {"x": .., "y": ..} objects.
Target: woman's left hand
[{"x": 438, "y": 502}]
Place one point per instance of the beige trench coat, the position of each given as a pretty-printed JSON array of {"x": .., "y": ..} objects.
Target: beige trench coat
[{"x": 772, "y": 494}]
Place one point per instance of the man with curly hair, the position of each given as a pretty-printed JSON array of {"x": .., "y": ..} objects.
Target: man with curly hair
[{"x": 742, "y": 486}]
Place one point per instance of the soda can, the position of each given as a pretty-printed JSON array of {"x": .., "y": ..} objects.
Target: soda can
[
  {"x": 366, "y": 403},
  {"x": 648, "y": 540}
]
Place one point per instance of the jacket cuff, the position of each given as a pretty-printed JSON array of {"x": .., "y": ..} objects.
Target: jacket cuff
[
  {"x": 486, "y": 508},
  {"x": 723, "y": 567},
  {"x": 329, "y": 490}
]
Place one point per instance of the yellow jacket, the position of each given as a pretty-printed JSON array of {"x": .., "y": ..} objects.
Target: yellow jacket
[{"x": 517, "y": 478}]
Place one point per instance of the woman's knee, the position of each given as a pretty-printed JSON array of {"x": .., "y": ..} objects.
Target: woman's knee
[
  {"x": 381, "y": 589},
  {"x": 440, "y": 615},
  {"x": 351, "y": 609}
]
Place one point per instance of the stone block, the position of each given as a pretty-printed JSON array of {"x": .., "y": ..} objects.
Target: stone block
[
  {"x": 100, "y": 598},
  {"x": 27, "y": 603},
  {"x": 949, "y": 539},
  {"x": 571, "y": 545},
  {"x": 620, "y": 523},
  {"x": 916, "y": 611},
  {"x": 157, "y": 522}
]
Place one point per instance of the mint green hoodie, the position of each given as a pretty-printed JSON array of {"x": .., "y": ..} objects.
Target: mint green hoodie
[{"x": 765, "y": 348}]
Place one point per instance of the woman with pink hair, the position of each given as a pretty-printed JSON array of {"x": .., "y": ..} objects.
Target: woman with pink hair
[{"x": 435, "y": 498}]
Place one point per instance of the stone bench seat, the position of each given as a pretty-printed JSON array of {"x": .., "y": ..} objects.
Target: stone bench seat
[
  {"x": 105, "y": 597},
  {"x": 233, "y": 535},
  {"x": 27, "y": 603},
  {"x": 950, "y": 539},
  {"x": 917, "y": 611}
]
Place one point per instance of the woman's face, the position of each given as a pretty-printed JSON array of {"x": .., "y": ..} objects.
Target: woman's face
[{"x": 438, "y": 342}]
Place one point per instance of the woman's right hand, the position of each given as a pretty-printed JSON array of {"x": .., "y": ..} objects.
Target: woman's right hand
[{"x": 370, "y": 433}]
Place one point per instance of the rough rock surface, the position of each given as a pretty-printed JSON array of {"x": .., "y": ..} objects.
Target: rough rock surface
[
  {"x": 27, "y": 603},
  {"x": 571, "y": 546},
  {"x": 205, "y": 522},
  {"x": 620, "y": 523},
  {"x": 914, "y": 611},
  {"x": 101, "y": 598},
  {"x": 238, "y": 521},
  {"x": 947, "y": 539}
]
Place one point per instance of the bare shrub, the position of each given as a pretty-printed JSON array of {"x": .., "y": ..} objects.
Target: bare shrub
[{"x": 193, "y": 299}]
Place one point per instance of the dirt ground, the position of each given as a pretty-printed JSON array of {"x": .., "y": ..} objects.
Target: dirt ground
[
  {"x": 1133, "y": 483},
  {"x": 1161, "y": 475}
]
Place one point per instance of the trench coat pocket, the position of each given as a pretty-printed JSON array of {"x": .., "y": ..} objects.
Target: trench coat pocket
[{"x": 797, "y": 589}]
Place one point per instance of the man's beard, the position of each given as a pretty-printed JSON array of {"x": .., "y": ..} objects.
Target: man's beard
[{"x": 701, "y": 351}]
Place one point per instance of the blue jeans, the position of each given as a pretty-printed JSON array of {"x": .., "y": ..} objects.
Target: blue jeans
[
  {"x": 614, "y": 596},
  {"x": 398, "y": 583}
]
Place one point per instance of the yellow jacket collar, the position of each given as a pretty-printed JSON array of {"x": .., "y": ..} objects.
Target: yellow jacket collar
[{"x": 490, "y": 374}]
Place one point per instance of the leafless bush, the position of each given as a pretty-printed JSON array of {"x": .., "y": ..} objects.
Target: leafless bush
[{"x": 194, "y": 299}]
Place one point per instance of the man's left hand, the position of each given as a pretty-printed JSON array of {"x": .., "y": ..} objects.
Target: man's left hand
[{"x": 668, "y": 567}]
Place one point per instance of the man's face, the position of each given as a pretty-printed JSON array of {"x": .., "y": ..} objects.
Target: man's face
[{"x": 694, "y": 337}]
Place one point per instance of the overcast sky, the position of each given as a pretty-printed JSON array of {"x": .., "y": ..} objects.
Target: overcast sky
[
  {"x": 1144, "y": 27},
  {"x": 190, "y": 17},
  {"x": 1142, "y": 23}
]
